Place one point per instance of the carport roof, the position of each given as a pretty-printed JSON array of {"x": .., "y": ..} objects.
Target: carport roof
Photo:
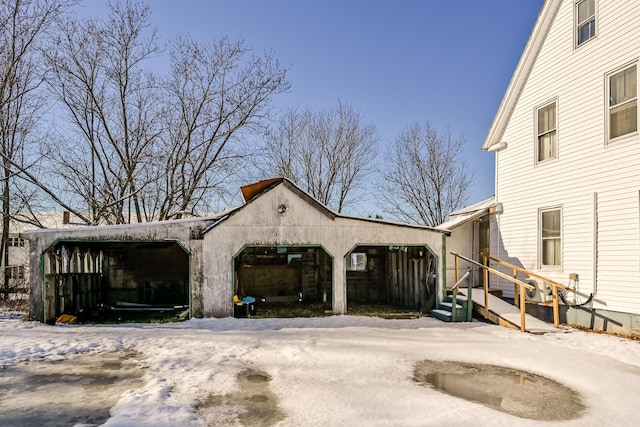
[
  {"x": 250, "y": 193},
  {"x": 253, "y": 191}
]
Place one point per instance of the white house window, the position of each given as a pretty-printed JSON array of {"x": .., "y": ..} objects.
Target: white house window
[
  {"x": 14, "y": 241},
  {"x": 585, "y": 21},
  {"x": 546, "y": 132},
  {"x": 14, "y": 272},
  {"x": 623, "y": 102},
  {"x": 550, "y": 237}
]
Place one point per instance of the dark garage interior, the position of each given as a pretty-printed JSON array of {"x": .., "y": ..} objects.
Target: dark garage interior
[
  {"x": 400, "y": 277},
  {"x": 297, "y": 281},
  {"x": 123, "y": 279},
  {"x": 285, "y": 278}
]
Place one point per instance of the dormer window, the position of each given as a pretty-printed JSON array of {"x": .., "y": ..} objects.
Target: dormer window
[{"x": 585, "y": 13}]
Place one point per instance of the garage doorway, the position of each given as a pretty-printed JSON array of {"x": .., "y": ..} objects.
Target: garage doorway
[
  {"x": 286, "y": 281},
  {"x": 397, "y": 277},
  {"x": 98, "y": 281}
]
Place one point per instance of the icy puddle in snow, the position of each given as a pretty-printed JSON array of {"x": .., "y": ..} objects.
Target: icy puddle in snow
[
  {"x": 253, "y": 404},
  {"x": 515, "y": 392},
  {"x": 77, "y": 390}
]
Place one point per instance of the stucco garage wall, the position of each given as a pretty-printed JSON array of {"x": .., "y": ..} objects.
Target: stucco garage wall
[
  {"x": 280, "y": 215},
  {"x": 302, "y": 222}
]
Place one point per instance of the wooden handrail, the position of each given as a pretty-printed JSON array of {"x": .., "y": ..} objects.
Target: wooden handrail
[
  {"x": 514, "y": 280},
  {"x": 494, "y": 271},
  {"x": 554, "y": 285},
  {"x": 522, "y": 270}
]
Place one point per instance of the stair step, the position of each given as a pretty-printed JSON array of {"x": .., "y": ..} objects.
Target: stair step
[
  {"x": 459, "y": 298},
  {"x": 443, "y": 315},
  {"x": 449, "y": 305}
]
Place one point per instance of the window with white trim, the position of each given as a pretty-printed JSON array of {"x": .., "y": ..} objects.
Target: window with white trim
[
  {"x": 585, "y": 13},
  {"x": 546, "y": 124},
  {"x": 14, "y": 272},
  {"x": 622, "y": 87},
  {"x": 15, "y": 241},
  {"x": 550, "y": 237}
]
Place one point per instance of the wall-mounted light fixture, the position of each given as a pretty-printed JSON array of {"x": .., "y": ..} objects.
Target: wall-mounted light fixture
[{"x": 282, "y": 209}]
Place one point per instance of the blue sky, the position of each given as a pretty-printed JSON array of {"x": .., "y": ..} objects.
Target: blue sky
[{"x": 445, "y": 62}]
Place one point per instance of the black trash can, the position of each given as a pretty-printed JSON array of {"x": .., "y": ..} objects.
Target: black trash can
[
  {"x": 240, "y": 310},
  {"x": 244, "y": 308}
]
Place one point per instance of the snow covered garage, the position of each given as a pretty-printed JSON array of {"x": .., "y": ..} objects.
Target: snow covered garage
[{"x": 281, "y": 245}]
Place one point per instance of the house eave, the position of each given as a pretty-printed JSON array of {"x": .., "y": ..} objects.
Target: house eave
[{"x": 518, "y": 80}]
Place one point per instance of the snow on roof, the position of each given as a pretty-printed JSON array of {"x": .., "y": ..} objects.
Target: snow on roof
[
  {"x": 466, "y": 214},
  {"x": 72, "y": 227}
]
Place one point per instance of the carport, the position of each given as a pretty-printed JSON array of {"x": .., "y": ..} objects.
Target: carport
[
  {"x": 93, "y": 279},
  {"x": 281, "y": 245},
  {"x": 395, "y": 275},
  {"x": 280, "y": 275}
]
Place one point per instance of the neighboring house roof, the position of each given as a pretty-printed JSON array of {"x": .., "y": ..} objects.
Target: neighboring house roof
[
  {"x": 469, "y": 213},
  {"x": 493, "y": 140},
  {"x": 20, "y": 223}
]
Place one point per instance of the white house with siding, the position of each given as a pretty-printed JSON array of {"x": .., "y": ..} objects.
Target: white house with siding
[{"x": 567, "y": 152}]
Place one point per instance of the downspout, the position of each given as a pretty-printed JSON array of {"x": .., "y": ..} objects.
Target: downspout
[
  {"x": 595, "y": 244},
  {"x": 496, "y": 200}
]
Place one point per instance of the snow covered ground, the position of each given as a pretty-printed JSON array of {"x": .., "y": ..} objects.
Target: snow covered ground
[{"x": 339, "y": 370}]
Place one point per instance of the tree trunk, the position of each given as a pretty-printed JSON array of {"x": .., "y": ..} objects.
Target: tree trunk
[{"x": 4, "y": 240}]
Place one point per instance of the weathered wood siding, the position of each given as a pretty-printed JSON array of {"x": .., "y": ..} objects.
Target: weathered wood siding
[{"x": 596, "y": 184}]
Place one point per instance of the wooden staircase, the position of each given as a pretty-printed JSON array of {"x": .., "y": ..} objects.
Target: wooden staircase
[{"x": 457, "y": 307}]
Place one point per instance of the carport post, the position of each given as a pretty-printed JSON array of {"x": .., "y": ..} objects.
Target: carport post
[{"x": 339, "y": 285}]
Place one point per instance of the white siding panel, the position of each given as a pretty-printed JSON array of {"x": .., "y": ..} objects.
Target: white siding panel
[
  {"x": 618, "y": 249},
  {"x": 585, "y": 164}
]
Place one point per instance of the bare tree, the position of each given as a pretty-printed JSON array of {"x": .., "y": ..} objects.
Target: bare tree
[
  {"x": 328, "y": 153},
  {"x": 22, "y": 25},
  {"x": 218, "y": 92},
  {"x": 134, "y": 146},
  {"x": 112, "y": 103},
  {"x": 426, "y": 177}
]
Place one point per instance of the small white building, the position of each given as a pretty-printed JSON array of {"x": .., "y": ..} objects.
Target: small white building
[
  {"x": 470, "y": 231},
  {"x": 281, "y": 244},
  {"x": 567, "y": 152}
]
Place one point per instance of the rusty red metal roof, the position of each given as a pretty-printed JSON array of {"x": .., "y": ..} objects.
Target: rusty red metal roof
[{"x": 252, "y": 190}]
